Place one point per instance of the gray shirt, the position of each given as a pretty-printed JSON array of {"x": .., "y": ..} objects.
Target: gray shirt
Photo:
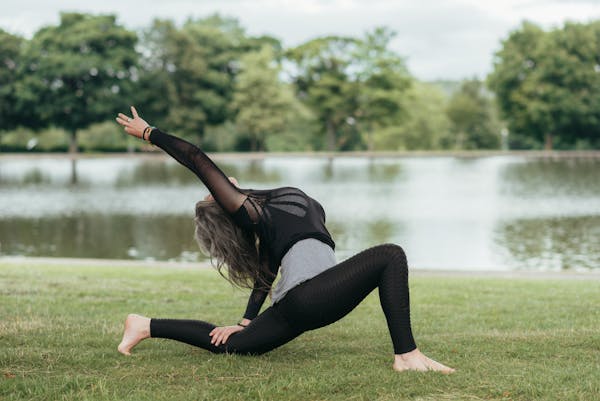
[{"x": 303, "y": 261}]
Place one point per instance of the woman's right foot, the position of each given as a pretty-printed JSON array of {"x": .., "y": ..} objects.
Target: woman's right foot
[
  {"x": 416, "y": 360},
  {"x": 137, "y": 328}
]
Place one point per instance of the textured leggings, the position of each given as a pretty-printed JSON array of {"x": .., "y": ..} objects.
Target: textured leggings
[{"x": 315, "y": 303}]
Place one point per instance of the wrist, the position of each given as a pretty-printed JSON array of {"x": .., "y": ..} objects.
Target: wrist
[
  {"x": 244, "y": 322},
  {"x": 146, "y": 132}
]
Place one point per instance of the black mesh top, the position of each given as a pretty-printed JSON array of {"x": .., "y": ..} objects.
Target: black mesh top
[{"x": 280, "y": 217}]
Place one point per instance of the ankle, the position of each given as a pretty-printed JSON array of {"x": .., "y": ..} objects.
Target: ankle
[
  {"x": 140, "y": 324},
  {"x": 145, "y": 327},
  {"x": 407, "y": 355}
]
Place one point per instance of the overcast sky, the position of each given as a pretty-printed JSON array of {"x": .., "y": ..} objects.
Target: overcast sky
[{"x": 440, "y": 39}]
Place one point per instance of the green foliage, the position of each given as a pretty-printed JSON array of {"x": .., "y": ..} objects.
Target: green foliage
[
  {"x": 353, "y": 86},
  {"x": 548, "y": 85},
  {"x": 211, "y": 83},
  {"x": 189, "y": 71},
  {"x": 221, "y": 138},
  {"x": 107, "y": 137},
  {"x": 425, "y": 126},
  {"x": 263, "y": 104},
  {"x": 322, "y": 79},
  {"x": 472, "y": 113},
  {"x": 19, "y": 139},
  {"x": 23, "y": 139},
  {"x": 300, "y": 133},
  {"x": 10, "y": 50},
  {"x": 382, "y": 84},
  {"x": 53, "y": 139},
  {"x": 76, "y": 73}
]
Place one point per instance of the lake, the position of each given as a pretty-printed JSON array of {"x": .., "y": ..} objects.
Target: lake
[{"x": 474, "y": 213}]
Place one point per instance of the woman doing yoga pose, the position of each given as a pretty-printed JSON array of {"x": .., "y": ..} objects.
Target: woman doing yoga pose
[{"x": 257, "y": 233}]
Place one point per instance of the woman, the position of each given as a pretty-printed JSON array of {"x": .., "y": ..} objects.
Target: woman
[{"x": 258, "y": 233}]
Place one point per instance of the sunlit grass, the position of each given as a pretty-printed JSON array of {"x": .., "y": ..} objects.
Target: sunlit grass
[{"x": 510, "y": 339}]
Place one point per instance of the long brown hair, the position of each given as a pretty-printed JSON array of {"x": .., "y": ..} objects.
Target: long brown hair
[{"x": 230, "y": 247}]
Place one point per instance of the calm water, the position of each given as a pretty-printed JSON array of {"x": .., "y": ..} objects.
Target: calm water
[{"x": 504, "y": 212}]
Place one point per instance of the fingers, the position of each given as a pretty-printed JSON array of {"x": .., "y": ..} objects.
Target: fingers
[
  {"x": 123, "y": 122},
  {"x": 124, "y": 117},
  {"x": 219, "y": 340},
  {"x": 220, "y": 335},
  {"x": 215, "y": 333},
  {"x": 134, "y": 112}
]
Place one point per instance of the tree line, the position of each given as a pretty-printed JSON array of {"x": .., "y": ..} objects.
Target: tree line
[{"x": 210, "y": 82}]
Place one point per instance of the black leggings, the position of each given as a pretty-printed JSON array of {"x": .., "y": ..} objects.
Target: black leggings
[{"x": 315, "y": 303}]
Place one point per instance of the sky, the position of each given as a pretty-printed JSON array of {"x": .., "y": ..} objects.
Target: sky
[{"x": 439, "y": 39}]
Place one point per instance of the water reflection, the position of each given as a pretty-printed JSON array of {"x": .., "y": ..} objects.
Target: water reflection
[
  {"x": 551, "y": 243},
  {"x": 151, "y": 172},
  {"x": 74, "y": 176},
  {"x": 459, "y": 213},
  {"x": 160, "y": 237},
  {"x": 101, "y": 236},
  {"x": 551, "y": 177},
  {"x": 363, "y": 169}
]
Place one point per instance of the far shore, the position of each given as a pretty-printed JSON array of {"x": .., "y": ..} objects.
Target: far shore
[
  {"x": 545, "y": 154},
  {"x": 414, "y": 270}
]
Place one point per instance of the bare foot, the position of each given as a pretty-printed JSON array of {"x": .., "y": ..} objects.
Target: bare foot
[
  {"x": 137, "y": 328},
  {"x": 415, "y": 360}
]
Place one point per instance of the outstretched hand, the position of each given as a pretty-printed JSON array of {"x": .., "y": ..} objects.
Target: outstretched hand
[
  {"x": 221, "y": 334},
  {"x": 133, "y": 126}
]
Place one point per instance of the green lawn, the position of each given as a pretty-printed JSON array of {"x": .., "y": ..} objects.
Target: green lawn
[{"x": 510, "y": 339}]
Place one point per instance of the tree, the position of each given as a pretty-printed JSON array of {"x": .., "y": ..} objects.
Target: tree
[
  {"x": 425, "y": 126},
  {"x": 382, "y": 84},
  {"x": 264, "y": 104},
  {"x": 515, "y": 83},
  {"x": 323, "y": 82},
  {"x": 194, "y": 68},
  {"x": 10, "y": 59},
  {"x": 472, "y": 114},
  {"x": 77, "y": 73},
  {"x": 548, "y": 85},
  {"x": 353, "y": 86},
  {"x": 572, "y": 70}
]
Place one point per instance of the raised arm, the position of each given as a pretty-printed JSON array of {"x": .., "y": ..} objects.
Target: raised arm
[{"x": 223, "y": 191}]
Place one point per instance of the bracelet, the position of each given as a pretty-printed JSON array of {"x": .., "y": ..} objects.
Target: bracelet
[
  {"x": 242, "y": 325},
  {"x": 148, "y": 130}
]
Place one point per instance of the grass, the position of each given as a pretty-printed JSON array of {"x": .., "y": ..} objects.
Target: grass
[{"x": 511, "y": 339}]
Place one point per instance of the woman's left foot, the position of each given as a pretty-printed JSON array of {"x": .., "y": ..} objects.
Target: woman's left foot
[
  {"x": 416, "y": 360},
  {"x": 137, "y": 328}
]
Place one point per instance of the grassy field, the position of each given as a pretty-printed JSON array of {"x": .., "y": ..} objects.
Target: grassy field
[{"x": 510, "y": 339}]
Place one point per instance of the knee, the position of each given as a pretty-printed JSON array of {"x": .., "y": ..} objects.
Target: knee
[{"x": 394, "y": 252}]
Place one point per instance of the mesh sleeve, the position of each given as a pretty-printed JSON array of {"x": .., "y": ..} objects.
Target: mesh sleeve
[
  {"x": 227, "y": 195},
  {"x": 255, "y": 302},
  {"x": 259, "y": 294}
]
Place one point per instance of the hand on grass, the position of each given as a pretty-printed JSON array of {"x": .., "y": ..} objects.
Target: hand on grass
[
  {"x": 133, "y": 126},
  {"x": 221, "y": 334}
]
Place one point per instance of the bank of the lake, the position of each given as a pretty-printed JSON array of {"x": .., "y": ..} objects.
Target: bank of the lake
[{"x": 510, "y": 338}]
